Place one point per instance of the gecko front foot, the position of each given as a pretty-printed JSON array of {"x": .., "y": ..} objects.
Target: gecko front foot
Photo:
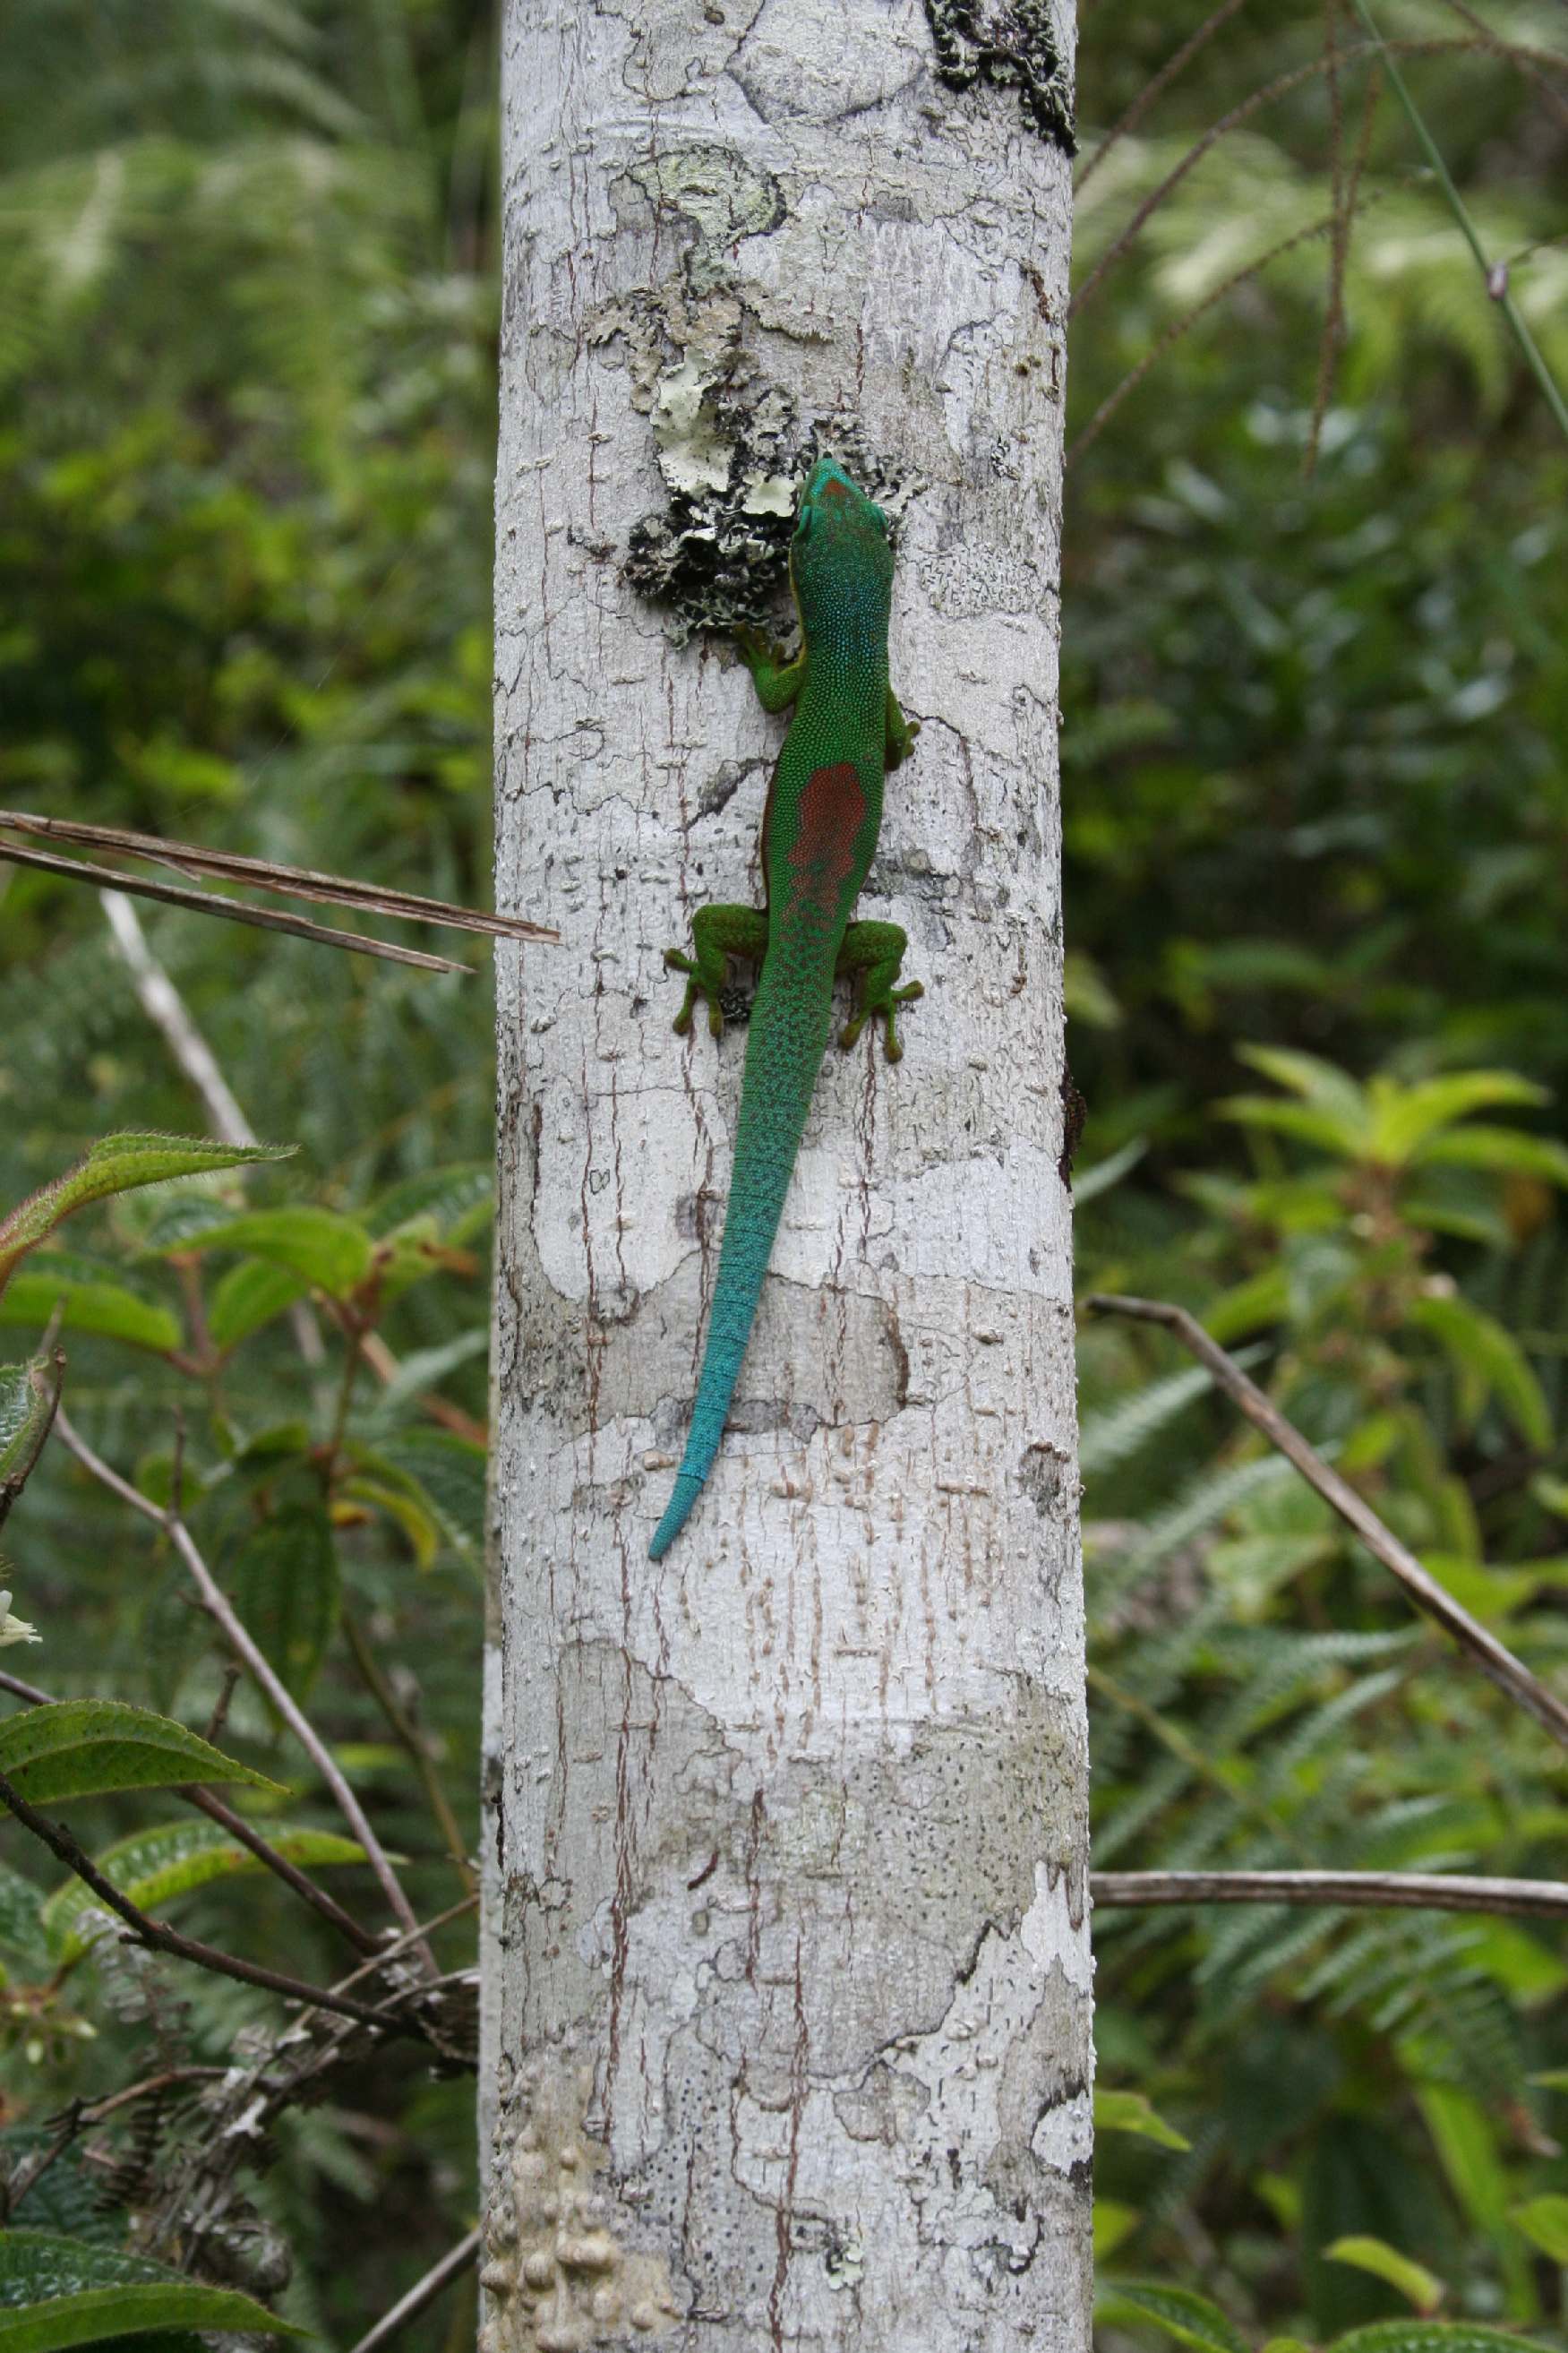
[{"x": 716, "y": 933}]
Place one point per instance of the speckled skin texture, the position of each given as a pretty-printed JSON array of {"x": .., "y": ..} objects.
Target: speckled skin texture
[{"x": 819, "y": 835}]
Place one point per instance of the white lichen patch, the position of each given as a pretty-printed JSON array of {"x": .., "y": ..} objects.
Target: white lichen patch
[{"x": 556, "y": 2277}]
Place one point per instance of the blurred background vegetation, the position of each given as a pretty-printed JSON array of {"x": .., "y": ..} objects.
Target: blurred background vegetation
[{"x": 1315, "y": 699}]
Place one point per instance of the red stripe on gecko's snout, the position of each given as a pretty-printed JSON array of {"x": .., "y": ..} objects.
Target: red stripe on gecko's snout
[{"x": 832, "y": 811}]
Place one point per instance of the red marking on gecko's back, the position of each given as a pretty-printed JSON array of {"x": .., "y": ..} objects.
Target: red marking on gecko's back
[{"x": 832, "y": 811}]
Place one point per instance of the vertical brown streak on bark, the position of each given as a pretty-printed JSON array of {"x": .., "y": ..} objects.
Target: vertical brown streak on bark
[
  {"x": 620, "y": 1902},
  {"x": 799, "y": 2062},
  {"x": 619, "y": 1180},
  {"x": 754, "y": 1888}
]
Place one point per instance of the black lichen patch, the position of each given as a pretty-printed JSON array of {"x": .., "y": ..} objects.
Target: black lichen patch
[
  {"x": 1012, "y": 43},
  {"x": 718, "y": 558}
]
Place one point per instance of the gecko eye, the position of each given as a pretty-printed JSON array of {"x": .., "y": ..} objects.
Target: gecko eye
[
  {"x": 804, "y": 521},
  {"x": 880, "y": 520}
]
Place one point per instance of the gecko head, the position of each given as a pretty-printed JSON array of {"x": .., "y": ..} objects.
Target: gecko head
[{"x": 839, "y": 558}]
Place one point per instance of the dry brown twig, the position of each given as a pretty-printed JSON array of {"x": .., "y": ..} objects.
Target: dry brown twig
[
  {"x": 160, "y": 1939},
  {"x": 424, "y": 2292},
  {"x": 1242, "y": 112},
  {"x": 1404, "y": 1890},
  {"x": 1494, "y": 1658},
  {"x": 242, "y": 1644},
  {"x": 287, "y": 881},
  {"x": 1155, "y": 85}
]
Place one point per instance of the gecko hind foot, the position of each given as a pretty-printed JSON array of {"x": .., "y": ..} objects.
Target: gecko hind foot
[{"x": 886, "y": 1006}]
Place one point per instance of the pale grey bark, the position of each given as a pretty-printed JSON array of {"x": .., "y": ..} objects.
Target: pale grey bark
[{"x": 788, "y": 2029}]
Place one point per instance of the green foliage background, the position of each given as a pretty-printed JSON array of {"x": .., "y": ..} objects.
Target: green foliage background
[{"x": 1316, "y": 814}]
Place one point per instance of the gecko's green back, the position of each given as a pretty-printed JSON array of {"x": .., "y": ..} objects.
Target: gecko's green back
[{"x": 819, "y": 834}]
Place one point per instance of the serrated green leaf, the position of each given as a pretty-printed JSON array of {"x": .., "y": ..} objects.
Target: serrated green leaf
[
  {"x": 1419, "y": 2286},
  {"x": 25, "y": 1408},
  {"x": 114, "y": 1165},
  {"x": 446, "y": 1475},
  {"x": 78, "y": 1747},
  {"x": 22, "y": 1937},
  {"x": 36, "y": 2265},
  {"x": 1428, "y": 2337},
  {"x": 63, "y": 2198},
  {"x": 155, "y": 1866},
  {"x": 451, "y": 1197},
  {"x": 1134, "y": 2112},
  {"x": 331, "y": 1252},
  {"x": 249, "y": 1295},
  {"x": 1544, "y": 2221},
  {"x": 1489, "y": 1362},
  {"x": 287, "y": 1590},
  {"x": 91, "y": 1301},
  {"x": 94, "y": 2314},
  {"x": 1177, "y": 2312}
]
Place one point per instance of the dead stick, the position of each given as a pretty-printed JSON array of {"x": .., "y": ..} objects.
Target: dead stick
[
  {"x": 424, "y": 2292},
  {"x": 234, "y": 911},
  {"x": 266, "y": 874},
  {"x": 160, "y": 1939},
  {"x": 1494, "y": 1658},
  {"x": 1409, "y": 1890},
  {"x": 217, "y": 1607},
  {"x": 206, "y": 1802}
]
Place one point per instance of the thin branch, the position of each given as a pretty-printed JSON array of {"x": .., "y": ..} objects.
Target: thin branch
[
  {"x": 1279, "y": 88},
  {"x": 1493, "y": 1658},
  {"x": 1155, "y": 85},
  {"x": 20, "y": 1689},
  {"x": 170, "y": 1016},
  {"x": 219, "y": 1716},
  {"x": 390, "y": 1950},
  {"x": 1183, "y": 326},
  {"x": 1496, "y": 283},
  {"x": 217, "y": 1607},
  {"x": 207, "y": 1802},
  {"x": 160, "y": 1939},
  {"x": 81, "y": 2117},
  {"x": 424, "y": 2292},
  {"x": 1408, "y": 1891},
  {"x": 234, "y": 911},
  {"x": 266, "y": 874},
  {"x": 409, "y": 1737},
  {"x": 1505, "y": 49},
  {"x": 246, "y": 1835},
  {"x": 1339, "y": 242}
]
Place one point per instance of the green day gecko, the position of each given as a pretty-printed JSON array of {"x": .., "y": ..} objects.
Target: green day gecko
[{"x": 819, "y": 835}]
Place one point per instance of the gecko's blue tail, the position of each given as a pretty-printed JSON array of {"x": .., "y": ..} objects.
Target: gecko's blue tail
[
  {"x": 783, "y": 1053},
  {"x": 750, "y": 1225}
]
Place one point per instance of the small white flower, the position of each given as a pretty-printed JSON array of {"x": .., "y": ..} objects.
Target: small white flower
[{"x": 15, "y": 1630}]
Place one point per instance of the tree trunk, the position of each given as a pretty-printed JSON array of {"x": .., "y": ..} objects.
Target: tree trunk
[{"x": 788, "y": 1971}]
